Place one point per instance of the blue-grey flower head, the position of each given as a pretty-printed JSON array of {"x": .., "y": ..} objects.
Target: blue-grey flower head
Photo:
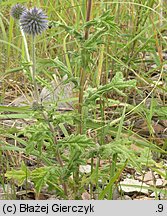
[
  {"x": 17, "y": 10},
  {"x": 33, "y": 21}
]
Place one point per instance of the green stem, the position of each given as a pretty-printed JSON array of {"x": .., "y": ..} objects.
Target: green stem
[
  {"x": 57, "y": 153},
  {"x": 36, "y": 100},
  {"x": 91, "y": 185},
  {"x": 112, "y": 173},
  {"x": 26, "y": 49},
  {"x": 84, "y": 68},
  {"x": 36, "y": 97},
  {"x": 81, "y": 94}
]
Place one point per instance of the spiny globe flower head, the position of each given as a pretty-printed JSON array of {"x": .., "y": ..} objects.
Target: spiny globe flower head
[
  {"x": 33, "y": 21},
  {"x": 17, "y": 10}
]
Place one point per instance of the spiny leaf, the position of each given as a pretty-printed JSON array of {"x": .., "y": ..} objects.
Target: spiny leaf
[
  {"x": 40, "y": 176},
  {"x": 69, "y": 29},
  {"x": 81, "y": 140},
  {"x": 116, "y": 83},
  {"x": 19, "y": 175}
]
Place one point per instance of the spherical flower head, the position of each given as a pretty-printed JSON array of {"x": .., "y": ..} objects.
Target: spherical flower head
[
  {"x": 17, "y": 10},
  {"x": 33, "y": 21}
]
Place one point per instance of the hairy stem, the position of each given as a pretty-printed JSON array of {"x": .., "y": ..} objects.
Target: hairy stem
[
  {"x": 58, "y": 156},
  {"x": 36, "y": 100},
  {"x": 83, "y": 69},
  {"x": 36, "y": 97},
  {"x": 26, "y": 49},
  {"x": 89, "y": 6},
  {"x": 81, "y": 93}
]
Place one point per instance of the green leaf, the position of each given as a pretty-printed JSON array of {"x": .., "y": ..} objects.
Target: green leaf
[
  {"x": 161, "y": 111},
  {"x": 111, "y": 182},
  {"x": 61, "y": 66},
  {"x": 81, "y": 140},
  {"x": 15, "y": 116},
  {"x": 106, "y": 20},
  {"x": 116, "y": 83},
  {"x": 69, "y": 29},
  {"x": 41, "y": 175},
  {"x": 19, "y": 175},
  {"x": 56, "y": 63},
  {"x": 15, "y": 109}
]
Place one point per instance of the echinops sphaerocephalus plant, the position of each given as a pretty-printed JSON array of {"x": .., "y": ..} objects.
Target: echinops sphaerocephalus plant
[
  {"x": 33, "y": 21},
  {"x": 17, "y": 10}
]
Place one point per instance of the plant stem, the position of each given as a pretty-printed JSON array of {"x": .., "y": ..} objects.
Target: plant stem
[
  {"x": 36, "y": 100},
  {"x": 36, "y": 97},
  {"x": 58, "y": 156},
  {"x": 83, "y": 69},
  {"x": 81, "y": 92},
  {"x": 80, "y": 108},
  {"x": 89, "y": 6},
  {"x": 112, "y": 173},
  {"x": 26, "y": 49}
]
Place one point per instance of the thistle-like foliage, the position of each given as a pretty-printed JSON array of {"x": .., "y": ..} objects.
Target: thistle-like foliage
[
  {"x": 17, "y": 10},
  {"x": 33, "y": 21}
]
